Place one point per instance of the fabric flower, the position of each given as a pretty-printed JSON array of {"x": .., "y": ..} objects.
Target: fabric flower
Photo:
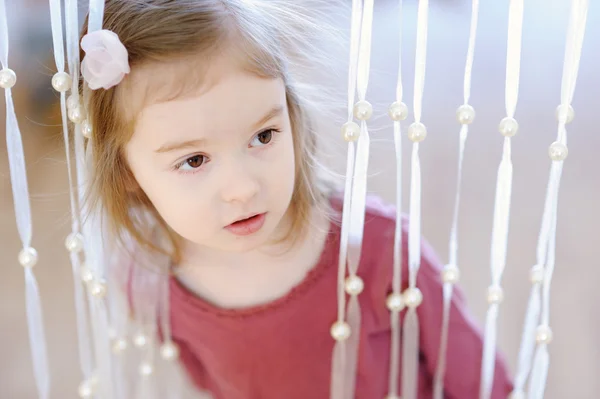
[{"x": 106, "y": 60}]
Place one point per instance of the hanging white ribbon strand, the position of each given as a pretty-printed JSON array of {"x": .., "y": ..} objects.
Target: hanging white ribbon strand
[
  {"x": 547, "y": 239},
  {"x": 71, "y": 30},
  {"x": 346, "y": 350},
  {"x": 412, "y": 296},
  {"x": 508, "y": 127},
  {"x": 28, "y": 255},
  {"x": 339, "y": 361},
  {"x": 465, "y": 115},
  {"x": 398, "y": 111},
  {"x": 96, "y": 241}
]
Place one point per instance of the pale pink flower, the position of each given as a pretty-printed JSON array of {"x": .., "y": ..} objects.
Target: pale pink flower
[{"x": 106, "y": 61}]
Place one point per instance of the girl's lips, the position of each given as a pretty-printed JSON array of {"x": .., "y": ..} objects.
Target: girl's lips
[{"x": 247, "y": 226}]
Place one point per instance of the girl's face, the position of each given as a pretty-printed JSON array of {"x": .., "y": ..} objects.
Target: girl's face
[{"x": 214, "y": 158}]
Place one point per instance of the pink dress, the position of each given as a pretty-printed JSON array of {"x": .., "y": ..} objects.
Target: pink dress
[{"x": 283, "y": 349}]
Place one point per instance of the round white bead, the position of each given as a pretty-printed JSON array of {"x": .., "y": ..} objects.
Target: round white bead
[
  {"x": 395, "y": 302},
  {"x": 86, "y": 129},
  {"x": 495, "y": 294},
  {"x": 350, "y": 131},
  {"x": 413, "y": 297},
  {"x": 8, "y": 78},
  {"x": 390, "y": 396},
  {"x": 74, "y": 242},
  {"x": 417, "y": 132},
  {"x": 450, "y": 274},
  {"x": 570, "y": 113},
  {"x": 169, "y": 350},
  {"x": 28, "y": 257},
  {"x": 340, "y": 331},
  {"x": 140, "y": 340},
  {"x": 61, "y": 82},
  {"x": 98, "y": 289},
  {"x": 119, "y": 345},
  {"x": 86, "y": 274},
  {"x": 398, "y": 111},
  {"x": 86, "y": 390},
  {"x": 536, "y": 274},
  {"x": 146, "y": 369},
  {"x": 543, "y": 334},
  {"x": 354, "y": 285},
  {"x": 72, "y": 101},
  {"x": 363, "y": 110},
  {"x": 76, "y": 115},
  {"x": 508, "y": 127},
  {"x": 465, "y": 114},
  {"x": 558, "y": 151}
]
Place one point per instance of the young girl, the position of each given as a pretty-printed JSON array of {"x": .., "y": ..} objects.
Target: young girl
[{"x": 197, "y": 121}]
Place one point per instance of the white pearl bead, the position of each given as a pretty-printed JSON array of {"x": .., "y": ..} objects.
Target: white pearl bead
[
  {"x": 340, "y": 331},
  {"x": 395, "y": 302},
  {"x": 543, "y": 335},
  {"x": 417, "y": 132},
  {"x": 98, "y": 289},
  {"x": 465, "y": 114},
  {"x": 119, "y": 345},
  {"x": 570, "y": 113},
  {"x": 363, "y": 110},
  {"x": 86, "y": 129},
  {"x": 495, "y": 294},
  {"x": 86, "y": 389},
  {"x": 8, "y": 78},
  {"x": 72, "y": 101},
  {"x": 140, "y": 340},
  {"x": 508, "y": 127},
  {"x": 350, "y": 131},
  {"x": 74, "y": 242},
  {"x": 354, "y": 285},
  {"x": 450, "y": 274},
  {"x": 398, "y": 111},
  {"x": 390, "y": 396},
  {"x": 61, "y": 81},
  {"x": 558, "y": 151},
  {"x": 413, "y": 297},
  {"x": 86, "y": 274},
  {"x": 169, "y": 350},
  {"x": 146, "y": 369},
  {"x": 517, "y": 395},
  {"x": 28, "y": 257},
  {"x": 536, "y": 275},
  {"x": 76, "y": 114}
]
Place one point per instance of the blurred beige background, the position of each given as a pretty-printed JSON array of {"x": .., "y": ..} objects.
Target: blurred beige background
[{"x": 575, "y": 360}]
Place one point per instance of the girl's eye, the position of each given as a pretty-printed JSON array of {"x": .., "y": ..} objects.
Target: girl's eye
[
  {"x": 263, "y": 138},
  {"x": 192, "y": 163}
]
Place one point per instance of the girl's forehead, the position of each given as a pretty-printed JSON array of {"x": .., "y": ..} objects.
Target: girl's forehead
[
  {"x": 232, "y": 104},
  {"x": 178, "y": 80}
]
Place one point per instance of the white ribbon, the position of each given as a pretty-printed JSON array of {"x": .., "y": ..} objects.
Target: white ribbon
[
  {"x": 547, "y": 237},
  {"x": 411, "y": 321},
  {"x": 453, "y": 244},
  {"x": 18, "y": 177},
  {"x": 345, "y": 354},
  {"x": 397, "y": 261},
  {"x": 503, "y": 196}
]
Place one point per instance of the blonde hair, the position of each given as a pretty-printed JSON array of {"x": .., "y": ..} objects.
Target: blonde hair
[{"x": 187, "y": 33}]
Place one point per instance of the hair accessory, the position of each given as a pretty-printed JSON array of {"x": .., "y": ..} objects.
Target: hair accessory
[{"x": 106, "y": 60}]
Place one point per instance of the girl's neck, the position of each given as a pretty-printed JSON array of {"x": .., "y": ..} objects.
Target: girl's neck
[{"x": 237, "y": 280}]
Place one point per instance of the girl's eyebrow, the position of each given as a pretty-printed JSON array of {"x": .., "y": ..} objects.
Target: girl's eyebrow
[
  {"x": 174, "y": 146},
  {"x": 272, "y": 113},
  {"x": 180, "y": 145}
]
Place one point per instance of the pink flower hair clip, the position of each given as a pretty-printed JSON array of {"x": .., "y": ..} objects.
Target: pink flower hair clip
[{"x": 106, "y": 60}]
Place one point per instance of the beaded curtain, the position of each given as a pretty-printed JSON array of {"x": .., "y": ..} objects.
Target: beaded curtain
[{"x": 104, "y": 332}]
